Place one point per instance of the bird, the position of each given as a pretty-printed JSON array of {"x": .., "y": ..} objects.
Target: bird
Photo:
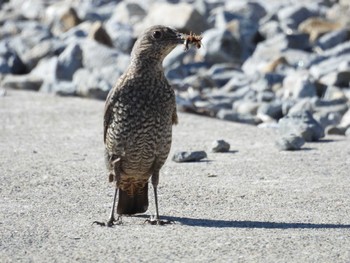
[{"x": 139, "y": 113}]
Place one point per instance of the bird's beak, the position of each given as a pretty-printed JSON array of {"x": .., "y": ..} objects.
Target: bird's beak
[{"x": 178, "y": 37}]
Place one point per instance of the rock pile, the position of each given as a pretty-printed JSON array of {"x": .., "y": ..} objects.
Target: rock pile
[{"x": 267, "y": 63}]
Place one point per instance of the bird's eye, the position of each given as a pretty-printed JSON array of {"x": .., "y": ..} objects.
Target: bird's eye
[{"x": 157, "y": 34}]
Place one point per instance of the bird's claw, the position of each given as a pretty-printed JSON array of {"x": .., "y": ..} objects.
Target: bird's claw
[
  {"x": 99, "y": 223},
  {"x": 158, "y": 222},
  {"x": 111, "y": 222}
]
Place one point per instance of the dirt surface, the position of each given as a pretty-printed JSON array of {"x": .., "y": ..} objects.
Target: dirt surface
[{"x": 254, "y": 204}]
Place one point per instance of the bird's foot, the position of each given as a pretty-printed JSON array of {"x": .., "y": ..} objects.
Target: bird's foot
[
  {"x": 111, "y": 222},
  {"x": 152, "y": 221}
]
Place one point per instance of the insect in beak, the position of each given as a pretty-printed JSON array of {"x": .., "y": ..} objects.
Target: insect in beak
[{"x": 192, "y": 39}]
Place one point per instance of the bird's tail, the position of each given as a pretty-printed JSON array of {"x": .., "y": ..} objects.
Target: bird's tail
[{"x": 133, "y": 203}]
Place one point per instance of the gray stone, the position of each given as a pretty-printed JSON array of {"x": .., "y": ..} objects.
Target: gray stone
[
  {"x": 220, "y": 146},
  {"x": 327, "y": 118},
  {"x": 62, "y": 88},
  {"x": 96, "y": 55},
  {"x": 266, "y": 96},
  {"x": 4, "y": 67},
  {"x": 90, "y": 84},
  {"x": 179, "y": 64},
  {"x": 273, "y": 79},
  {"x": 69, "y": 61},
  {"x": 332, "y": 39},
  {"x": 61, "y": 17},
  {"x": 238, "y": 81},
  {"x": 275, "y": 47},
  {"x": 22, "y": 82},
  {"x": 46, "y": 69},
  {"x": 338, "y": 50},
  {"x": 347, "y": 132},
  {"x": 293, "y": 15},
  {"x": 210, "y": 108},
  {"x": 109, "y": 73},
  {"x": 177, "y": 57},
  {"x": 339, "y": 105},
  {"x": 290, "y": 143},
  {"x": 25, "y": 35},
  {"x": 2, "y": 92},
  {"x": 182, "y": 16},
  {"x": 8, "y": 13},
  {"x": 223, "y": 17},
  {"x": 32, "y": 33},
  {"x": 203, "y": 7},
  {"x": 287, "y": 105},
  {"x": 220, "y": 47},
  {"x": 196, "y": 156},
  {"x": 10, "y": 62},
  {"x": 299, "y": 59},
  {"x": 246, "y": 107},
  {"x": 257, "y": 63},
  {"x": 335, "y": 130},
  {"x": 298, "y": 86},
  {"x": 199, "y": 81},
  {"x": 129, "y": 13},
  {"x": 230, "y": 115},
  {"x": 222, "y": 73},
  {"x": 334, "y": 93},
  {"x": 294, "y": 41},
  {"x": 238, "y": 21},
  {"x": 329, "y": 65},
  {"x": 301, "y": 124},
  {"x": 47, "y": 48},
  {"x": 98, "y": 33},
  {"x": 307, "y": 104},
  {"x": 185, "y": 105},
  {"x": 273, "y": 109},
  {"x": 97, "y": 10},
  {"x": 32, "y": 9},
  {"x": 345, "y": 121},
  {"x": 122, "y": 35},
  {"x": 250, "y": 10},
  {"x": 77, "y": 33},
  {"x": 337, "y": 78},
  {"x": 270, "y": 29}
]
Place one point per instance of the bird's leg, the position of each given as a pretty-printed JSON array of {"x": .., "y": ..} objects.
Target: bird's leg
[
  {"x": 113, "y": 176},
  {"x": 156, "y": 201},
  {"x": 156, "y": 221},
  {"x": 111, "y": 221}
]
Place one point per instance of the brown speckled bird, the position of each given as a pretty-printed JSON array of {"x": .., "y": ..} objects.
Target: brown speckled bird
[{"x": 139, "y": 113}]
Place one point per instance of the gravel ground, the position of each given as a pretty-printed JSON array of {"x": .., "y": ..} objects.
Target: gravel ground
[{"x": 253, "y": 204}]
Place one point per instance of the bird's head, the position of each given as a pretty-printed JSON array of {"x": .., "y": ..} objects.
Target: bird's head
[{"x": 155, "y": 43}]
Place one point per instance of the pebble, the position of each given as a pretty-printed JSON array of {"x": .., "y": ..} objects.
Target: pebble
[
  {"x": 98, "y": 33},
  {"x": 69, "y": 61},
  {"x": 182, "y": 16},
  {"x": 220, "y": 146},
  {"x": 22, "y": 82},
  {"x": 336, "y": 130},
  {"x": 290, "y": 143},
  {"x": 196, "y": 156},
  {"x": 220, "y": 47},
  {"x": 231, "y": 115},
  {"x": 301, "y": 124},
  {"x": 347, "y": 133}
]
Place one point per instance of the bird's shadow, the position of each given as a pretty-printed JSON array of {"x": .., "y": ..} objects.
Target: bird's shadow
[{"x": 199, "y": 222}]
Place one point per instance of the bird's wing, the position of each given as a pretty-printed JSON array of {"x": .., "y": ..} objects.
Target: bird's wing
[
  {"x": 174, "y": 118},
  {"x": 110, "y": 101}
]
